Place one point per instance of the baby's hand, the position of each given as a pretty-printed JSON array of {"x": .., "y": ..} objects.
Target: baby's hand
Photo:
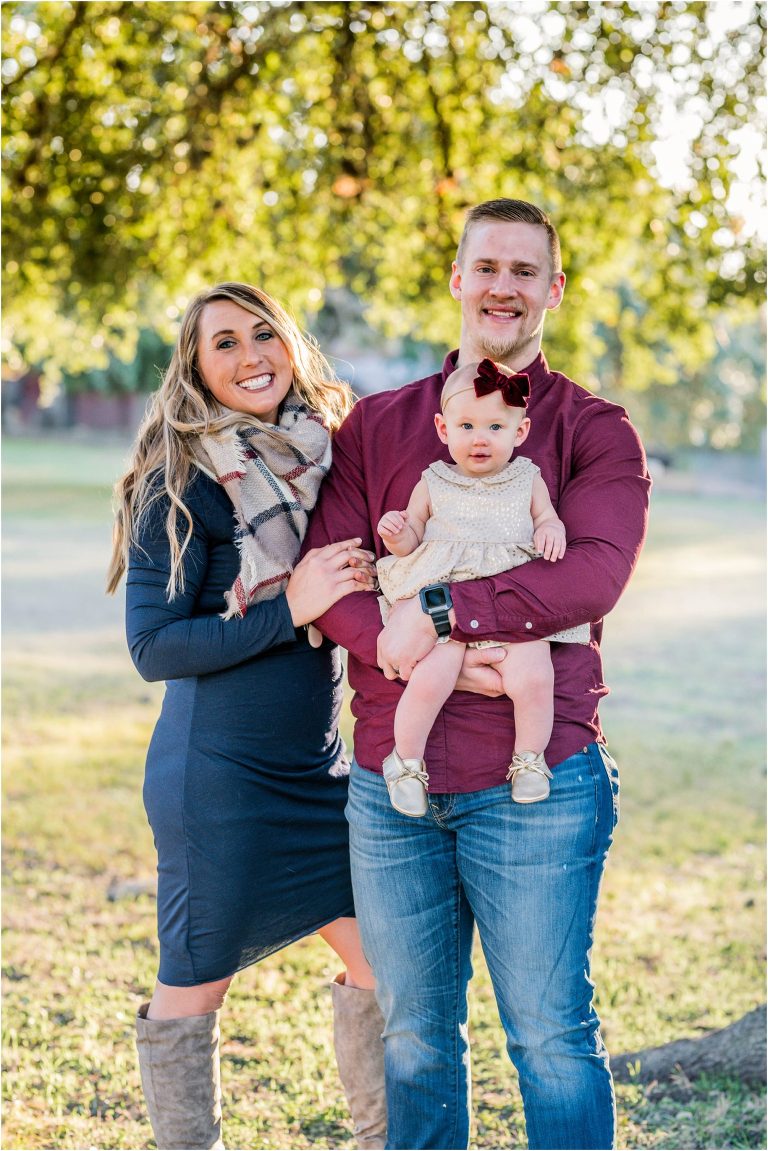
[
  {"x": 392, "y": 524},
  {"x": 549, "y": 540}
]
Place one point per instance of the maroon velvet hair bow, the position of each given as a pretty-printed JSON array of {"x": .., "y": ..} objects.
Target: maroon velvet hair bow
[{"x": 515, "y": 390}]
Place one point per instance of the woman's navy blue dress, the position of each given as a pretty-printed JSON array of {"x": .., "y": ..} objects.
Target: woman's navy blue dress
[{"x": 246, "y": 775}]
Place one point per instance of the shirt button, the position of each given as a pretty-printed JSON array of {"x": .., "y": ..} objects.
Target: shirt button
[
  {"x": 529, "y": 625},
  {"x": 474, "y": 623}
]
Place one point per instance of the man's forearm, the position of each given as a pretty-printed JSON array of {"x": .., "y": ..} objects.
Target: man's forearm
[
  {"x": 537, "y": 599},
  {"x": 354, "y": 623},
  {"x": 604, "y": 508}
]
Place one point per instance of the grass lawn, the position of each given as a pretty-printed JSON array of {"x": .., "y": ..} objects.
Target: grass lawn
[{"x": 680, "y": 943}]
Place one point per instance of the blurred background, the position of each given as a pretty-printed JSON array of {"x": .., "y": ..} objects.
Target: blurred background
[{"x": 328, "y": 152}]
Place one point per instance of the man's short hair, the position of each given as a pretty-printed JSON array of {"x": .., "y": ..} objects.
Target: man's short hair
[{"x": 516, "y": 212}]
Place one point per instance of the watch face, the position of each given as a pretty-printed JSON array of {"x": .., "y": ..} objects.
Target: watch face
[{"x": 435, "y": 598}]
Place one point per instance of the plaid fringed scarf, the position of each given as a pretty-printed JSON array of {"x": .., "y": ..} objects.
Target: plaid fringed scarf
[{"x": 272, "y": 474}]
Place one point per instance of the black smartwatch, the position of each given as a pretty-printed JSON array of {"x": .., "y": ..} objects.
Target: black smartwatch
[{"x": 436, "y": 602}]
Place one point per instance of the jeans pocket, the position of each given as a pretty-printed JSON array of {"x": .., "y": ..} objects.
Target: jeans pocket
[{"x": 612, "y": 771}]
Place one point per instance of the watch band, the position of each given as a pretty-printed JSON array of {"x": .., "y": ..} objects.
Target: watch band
[{"x": 442, "y": 623}]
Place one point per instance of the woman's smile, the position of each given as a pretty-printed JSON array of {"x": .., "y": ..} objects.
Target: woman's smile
[{"x": 256, "y": 383}]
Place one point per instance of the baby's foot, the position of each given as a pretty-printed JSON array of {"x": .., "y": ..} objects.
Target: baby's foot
[
  {"x": 530, "y": 777},
  {"x": 407, "y": 784}
]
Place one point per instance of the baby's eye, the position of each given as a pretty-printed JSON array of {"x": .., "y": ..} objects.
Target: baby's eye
[
  {"x": 496, "y": 427},
  {"x": 466, "y": 427}
]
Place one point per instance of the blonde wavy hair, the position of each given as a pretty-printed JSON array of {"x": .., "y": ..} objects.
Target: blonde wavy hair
[{"x": 183, "y": 408}]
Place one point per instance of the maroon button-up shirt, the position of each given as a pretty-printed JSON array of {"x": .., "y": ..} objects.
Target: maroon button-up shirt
[{"x": 594, "y": 467}]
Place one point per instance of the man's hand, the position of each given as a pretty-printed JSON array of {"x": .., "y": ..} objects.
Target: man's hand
[
  {"x": 478, "y": 673},
  {"x": 407, "y": 638}
]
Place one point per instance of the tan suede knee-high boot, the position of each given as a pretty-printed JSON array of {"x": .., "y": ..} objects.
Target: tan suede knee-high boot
[
  {"x": 357, "y": 1028},
  {"x": 179, "y": 1063}
]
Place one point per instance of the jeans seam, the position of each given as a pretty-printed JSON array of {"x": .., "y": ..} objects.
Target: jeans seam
[
  {"x": 596, "y": 869},
  {"x": 457, "y": 984},
  {"x": 439, "y": 815},
  {"x": 598, "y": 803}
]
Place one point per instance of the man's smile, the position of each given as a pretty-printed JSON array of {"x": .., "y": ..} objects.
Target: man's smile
[{"x": 503, "y": 313}]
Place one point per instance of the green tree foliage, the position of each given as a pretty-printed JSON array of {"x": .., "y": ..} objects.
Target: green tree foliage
[
  {"x": 141, "y": 372},
  {"x": 722, "y": 404},
  {"x": 154, "y": 147}
]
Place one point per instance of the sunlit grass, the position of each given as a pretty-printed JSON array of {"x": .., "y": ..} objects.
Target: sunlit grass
[{"x": 680, "y": 942}]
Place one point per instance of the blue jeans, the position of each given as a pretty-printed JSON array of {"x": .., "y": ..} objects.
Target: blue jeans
[{"x": 529, "y": 877}]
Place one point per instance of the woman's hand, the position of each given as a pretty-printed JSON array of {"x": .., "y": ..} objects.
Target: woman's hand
[{"x": 326, "y": 574}]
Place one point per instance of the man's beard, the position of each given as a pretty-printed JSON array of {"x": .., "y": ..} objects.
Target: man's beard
[{"x": 501, "y": 349}]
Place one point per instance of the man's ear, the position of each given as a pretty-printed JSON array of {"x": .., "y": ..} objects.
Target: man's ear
[
  {"x": 556, "y": 289},
  {"x": 522, "y": 432},
  {"x": 455, "y": 281},
  {"x": 441, "y": 428}
]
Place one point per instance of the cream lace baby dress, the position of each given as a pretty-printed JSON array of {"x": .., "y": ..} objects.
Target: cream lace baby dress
[{"x": 479, "y": 526}]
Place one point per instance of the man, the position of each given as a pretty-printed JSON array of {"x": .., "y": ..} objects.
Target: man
[{"x": 528, "y": 876}]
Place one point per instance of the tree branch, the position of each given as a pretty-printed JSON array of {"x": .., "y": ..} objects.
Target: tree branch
[{"x": 737, "y": 1050}]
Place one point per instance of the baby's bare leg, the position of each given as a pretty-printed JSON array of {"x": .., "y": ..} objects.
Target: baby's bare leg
[
  {"x": 529, "y": 681},
  {"x": 431, "y": 682}
]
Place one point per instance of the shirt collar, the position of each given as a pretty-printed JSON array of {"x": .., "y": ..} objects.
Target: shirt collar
[{"x": 537, "y": 371}]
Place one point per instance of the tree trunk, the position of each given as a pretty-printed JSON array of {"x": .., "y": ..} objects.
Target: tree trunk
[{"x": 737, "y": 1051}]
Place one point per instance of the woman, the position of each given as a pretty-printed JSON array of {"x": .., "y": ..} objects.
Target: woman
[{"x": 245, "y": 782}]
